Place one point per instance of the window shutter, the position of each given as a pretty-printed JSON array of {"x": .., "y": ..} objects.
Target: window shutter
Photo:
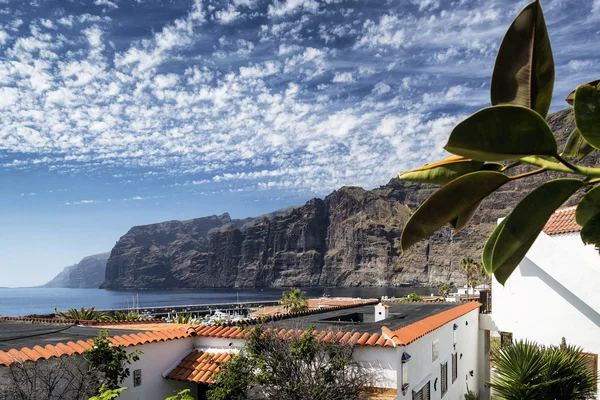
[
  {"x": 444, "y": 378},
  {"x": 454, "y": 367}
]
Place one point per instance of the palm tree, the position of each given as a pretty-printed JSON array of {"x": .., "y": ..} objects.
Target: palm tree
[
  {"x": 472, "y": 270},
  {"x": 84, "y": 314},
  {"x": 294, "y": 301},
  {"x": 525, "y": 370}
]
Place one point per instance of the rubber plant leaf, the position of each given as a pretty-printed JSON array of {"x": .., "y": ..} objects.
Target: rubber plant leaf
[
  {"x": 443, "y": 171},
  {"x": 571, "y": 97},
  {"x": 590, "y": 233},
  {"x": 577, "y": 147},
  {"x": 588, "y": 207},
  {"x": 500, "y": 133},
  {"x": 513, "y": 238},
  {"x": 587, "y": 113},
  {"x": 464, "y": 218},
  {"x": 524, "y": 69},
  {"x": 448, "y": 202}
]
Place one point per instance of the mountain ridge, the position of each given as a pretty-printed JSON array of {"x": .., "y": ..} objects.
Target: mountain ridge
[
  {"x": 349, "y": 238},
  {"x": 88, "y": 273}
]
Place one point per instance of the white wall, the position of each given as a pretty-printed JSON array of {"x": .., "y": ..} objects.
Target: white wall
[
  {"x": 421, "y": 367},
  {"x": 554, "y": 293},
  {"x": 158, "y": 358},
  {"x": 382, "y": 362}
]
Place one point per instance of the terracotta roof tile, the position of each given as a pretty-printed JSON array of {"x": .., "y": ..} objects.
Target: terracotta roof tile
[
  {"x": 60, "y": 349},
  {"x": 412, "y": 332},
  {"x": 199, "y": 366},
  {"x": 562, "y": 221}
]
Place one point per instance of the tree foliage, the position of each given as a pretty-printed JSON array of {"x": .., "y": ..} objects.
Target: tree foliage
[
  {"x": 444, "y": 290},
  {"x": 64, "y": 378},
  {"x": 183, "y": 395},
  {"x": 513, "y": 129},
  {"x": 526, "y": 371},
  {"x": 294, "y": 300},
  {"x": 110, "y": 361},
  {"x": 301, "y": 366},
  {"x": 107, "y": 394}
]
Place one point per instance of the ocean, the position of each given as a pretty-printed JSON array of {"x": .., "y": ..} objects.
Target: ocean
[{"x": 27, "y": 301}]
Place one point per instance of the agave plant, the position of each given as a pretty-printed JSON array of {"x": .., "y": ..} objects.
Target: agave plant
[
  {"x": 526, "y": 371},
  {"x": 84, "y": 314},
  {"x": 513, "y": 132}
]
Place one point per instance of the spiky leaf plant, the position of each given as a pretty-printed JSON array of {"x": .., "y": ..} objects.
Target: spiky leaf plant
[
  {"x": 84, "y": 314},
  {"x": 526, "y": 371}
]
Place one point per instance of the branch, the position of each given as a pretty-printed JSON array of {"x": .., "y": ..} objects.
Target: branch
[
  {"x": 557, "y": 166},
  {"x": 530, "y": 173}
]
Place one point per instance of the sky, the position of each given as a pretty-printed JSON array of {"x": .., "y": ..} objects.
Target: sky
[{"x": 115, "y": 113}]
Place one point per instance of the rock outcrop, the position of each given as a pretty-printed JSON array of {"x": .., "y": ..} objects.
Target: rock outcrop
[
  {"x": 350, "y": 238},
  {"x": 88, "y": 273}
]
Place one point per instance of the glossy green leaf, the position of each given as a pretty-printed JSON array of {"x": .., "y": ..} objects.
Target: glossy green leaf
[
  {"x": 502, "y": 133},
  {"x": 524, "y": 70},
  {"x": 492, "y": 167},
  {"x": 464, "y": 218},
  {"x": 488, "y": 249},
  {"x": 509, "y": 244},
  {"x": 590, "y": 233},
  {"x": 443, "y": 171},
  {"x": 588, "y": 207},
  {"x": 587, "y": 113},
  {"x": 448, "y": 202},
  {"x": 577, "y": 147},
  {"x": 571, "y": 97}
]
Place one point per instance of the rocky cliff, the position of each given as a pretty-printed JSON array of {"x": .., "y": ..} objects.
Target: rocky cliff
[
  {"x": 350, "y": 238},
  {"x": 88, "y": 273}
]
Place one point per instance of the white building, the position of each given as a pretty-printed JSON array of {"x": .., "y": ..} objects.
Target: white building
[
  {"x": 419, "y": 351},
  {"x": 554, "y": 292}
]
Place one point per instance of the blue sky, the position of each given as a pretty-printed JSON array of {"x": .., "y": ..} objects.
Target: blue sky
[{"x": 117, "y": 113}]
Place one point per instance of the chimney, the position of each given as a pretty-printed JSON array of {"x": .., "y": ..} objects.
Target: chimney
[{"x": 382, "y": 311}]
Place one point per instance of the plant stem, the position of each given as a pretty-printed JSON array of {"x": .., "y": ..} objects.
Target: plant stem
[
  {"x": 565, "y": 162},
  {"x": 556, "y": 166},
  {"x": 525, "y": 174},
  {"x": 509, "y": 166}
]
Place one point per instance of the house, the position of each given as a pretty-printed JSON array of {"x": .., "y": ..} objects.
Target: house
[
  {"x": 554, "y": 292},
  {"x": 417, "y": 351}
]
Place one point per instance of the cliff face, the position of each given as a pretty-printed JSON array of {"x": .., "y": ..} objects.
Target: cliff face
[
  {"x": 88, "y": 273},
  {"x": 350, "y": 238}
]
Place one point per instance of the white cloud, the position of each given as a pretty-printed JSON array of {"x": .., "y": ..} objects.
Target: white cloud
[
  {"x": 576, "y": 65},
  {"x": 284, "y": 7},
  {"x": 381, "y": 88},
  {"x": 228, "y": 15},
  {"x": 343, "y": 77},
  {"x": 388, "y": 32},
  {"x": 106, "y": 3}
]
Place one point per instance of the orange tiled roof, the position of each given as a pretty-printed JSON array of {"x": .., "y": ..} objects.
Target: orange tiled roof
[
  {"x": 61, "y": 349},
  {"x": 199, "y": 367},
  {"x": 562, "y": 221},
  {"x": 414, "y": 331},
  {"x": 232, "y": 332}
]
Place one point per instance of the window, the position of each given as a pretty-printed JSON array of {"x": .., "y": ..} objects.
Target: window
[
  {"x": 137, "y": 377},
  {"x": 506, "y": 339},
  {"x": 444, "y": 378},
  {"x": 454, "y": 367},
  {"x": 422, "y": 394},
  {"x": 434, "y": 350},
  {"x": 592, "y": 360}
]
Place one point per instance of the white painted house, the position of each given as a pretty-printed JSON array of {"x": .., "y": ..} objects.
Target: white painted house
[
  {"x": 554, "y": 292},
  {"x": 415, "y": 350}
]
